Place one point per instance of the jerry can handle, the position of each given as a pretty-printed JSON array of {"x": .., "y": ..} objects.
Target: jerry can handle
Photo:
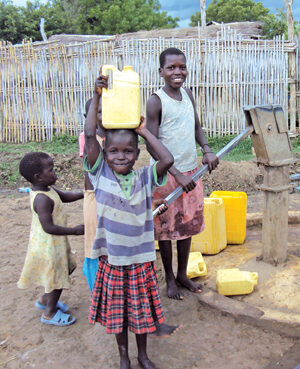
[{"x": 109, "y": 68}]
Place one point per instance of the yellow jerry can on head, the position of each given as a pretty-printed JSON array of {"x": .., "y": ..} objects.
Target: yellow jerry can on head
[
  {"x": 213, "y": 239},
  {"x": 235, "y": 282},
  {"x": 235, "y": 214},
  {"x": 121, "y": 106}
]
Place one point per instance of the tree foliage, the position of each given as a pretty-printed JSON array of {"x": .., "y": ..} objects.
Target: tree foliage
[
  {"x": 80, "y": 16},
  {"x": 275, "y": 25},
  {"x": 235, "y": 11},
  {"x": 10, "y": 22},
  {"x": 121, "y": 16},
  {"x": 226, "y": 11}
]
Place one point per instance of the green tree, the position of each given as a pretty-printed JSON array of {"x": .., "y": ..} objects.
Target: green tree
[
  {"x": 62, "y": 17},
  {"x": 120, "y": 16},
  {"x": 275, "y": 25},
  {"x": 80, "y": 16},
  {"x": 11, "y": 22},
  {"x": 227, "y": 11},
  {"x": 19, "y": 23}
]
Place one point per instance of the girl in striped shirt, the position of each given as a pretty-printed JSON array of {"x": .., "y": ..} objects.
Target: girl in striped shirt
[{"x": 125, "y": 295}]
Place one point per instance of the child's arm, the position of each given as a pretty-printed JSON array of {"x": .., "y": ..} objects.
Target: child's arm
[
  {"x": 67, "y": 196},
  {"x": 163, "y": 156},
  {"x": 209, "y": 157},
  {"x": 92, "y": 147},
  {"x": 43, "y": 206},
  {"x": 153, "y": 121}
]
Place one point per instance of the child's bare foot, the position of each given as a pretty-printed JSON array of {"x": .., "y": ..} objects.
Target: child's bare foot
[
  {"x": 173, "y": 290},
  {"x": 189, "y": 284},
  {"x": 165, "y": 330},
  {"x": 146, "y": 363},
  {"x": 125, "y": 363}
]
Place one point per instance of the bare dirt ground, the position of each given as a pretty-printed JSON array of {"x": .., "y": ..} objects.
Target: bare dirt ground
[
  {"x": 240, "y": 176},
  {"x": 208, "y": 340}
]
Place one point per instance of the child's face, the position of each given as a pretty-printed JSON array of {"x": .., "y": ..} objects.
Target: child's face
[
  {"x": 48, "y": 177},
  {"x": 174, "y": 71},
  {"x": 121, "y": 152}
]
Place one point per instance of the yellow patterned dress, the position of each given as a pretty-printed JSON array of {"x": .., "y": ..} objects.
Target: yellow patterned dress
[{"x": 49, "y": 259}]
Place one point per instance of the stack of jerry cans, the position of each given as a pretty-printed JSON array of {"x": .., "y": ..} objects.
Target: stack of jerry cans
[
  {"x": 213, "y": 239},
  {"x": 235, "y": 214}
]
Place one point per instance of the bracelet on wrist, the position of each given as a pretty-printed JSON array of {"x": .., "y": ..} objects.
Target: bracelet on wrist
[{"x": 206, "y": 152}]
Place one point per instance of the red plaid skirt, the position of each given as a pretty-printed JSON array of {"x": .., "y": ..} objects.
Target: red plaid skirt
[{"x": 126, "y": 296}]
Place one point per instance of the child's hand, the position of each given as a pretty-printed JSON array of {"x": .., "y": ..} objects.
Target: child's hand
[
  {"x": 79, "y": 230},
  {"x": 101, "y": 82},
  {"x": 186, "y": 182},
  {"x": 157, "y": 202},
  {"x": 211, "y": 160},
  {"x": 141, "y": 129}
]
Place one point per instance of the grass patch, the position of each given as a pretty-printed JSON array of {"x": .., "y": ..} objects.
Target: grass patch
[
  {"x": 13, "y": 153},
  {"x": 63, "y": 144},
  {"x": 241, "y": 152},
  {"x": 244, "y": 149},
  {"x": 296, "y": 144}
]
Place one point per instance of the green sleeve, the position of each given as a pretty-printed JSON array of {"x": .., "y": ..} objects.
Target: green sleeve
[
  {"x": 161, "y": 181},
  {"x": 95, "y": 166}
]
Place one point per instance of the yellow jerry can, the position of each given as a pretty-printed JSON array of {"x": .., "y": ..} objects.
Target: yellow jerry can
[
  {"x": 235, "y": 282},
  {"x": 213, "y": 239},
  {"x": 235, "y": 214},
  {"x": 121, "y": 100},
  {"x": 196, "y": 265}
]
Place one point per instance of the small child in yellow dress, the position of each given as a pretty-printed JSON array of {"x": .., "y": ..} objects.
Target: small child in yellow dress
[{"x": 49, "y": 260}]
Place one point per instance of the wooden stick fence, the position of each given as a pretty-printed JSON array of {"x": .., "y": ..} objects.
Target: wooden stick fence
[{"x": 44, "y": 86}]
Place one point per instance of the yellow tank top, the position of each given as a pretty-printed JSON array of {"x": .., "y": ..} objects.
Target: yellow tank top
[{"x": 49, "y": 259}]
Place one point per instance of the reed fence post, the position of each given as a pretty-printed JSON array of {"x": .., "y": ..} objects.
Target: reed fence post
[{"x": 292, "y": 66}]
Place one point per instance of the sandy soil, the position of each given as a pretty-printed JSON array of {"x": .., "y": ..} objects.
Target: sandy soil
[
  {"x": 208, "y": 340},
  {"x": 242, "y": 176}
]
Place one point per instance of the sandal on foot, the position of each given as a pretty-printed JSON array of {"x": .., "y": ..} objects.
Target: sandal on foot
[
  {"x": 61, "y": 319},
  {"x": 60, "y": 305}
]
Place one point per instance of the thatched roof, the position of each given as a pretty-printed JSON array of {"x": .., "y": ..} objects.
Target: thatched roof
[{"x": 248, "y": 30}]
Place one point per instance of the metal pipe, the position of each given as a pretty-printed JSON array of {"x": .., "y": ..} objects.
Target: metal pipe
[{"x": 199, "y": 173}]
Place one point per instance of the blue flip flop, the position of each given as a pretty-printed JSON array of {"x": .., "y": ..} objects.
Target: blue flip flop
[
  {"x": 60, "y": 305},
  {"x": 60, "y": 319}
]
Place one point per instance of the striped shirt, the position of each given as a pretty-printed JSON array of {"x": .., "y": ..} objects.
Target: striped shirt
[{"x": 125, "y": 231}]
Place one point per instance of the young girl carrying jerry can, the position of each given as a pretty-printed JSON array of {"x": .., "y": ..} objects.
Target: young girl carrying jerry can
[{"x": 125, "y": 295}]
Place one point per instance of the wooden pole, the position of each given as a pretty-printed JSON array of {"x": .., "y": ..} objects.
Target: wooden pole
[
  {"x": 298, "y": 82},
  {"x": 275, "y": 214},
  {"x": 203, "y": 12},
  {"x": 290, "y": 18},
  {"x": 42, "y": 29},
  {"x": 292, "y": 66}
]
